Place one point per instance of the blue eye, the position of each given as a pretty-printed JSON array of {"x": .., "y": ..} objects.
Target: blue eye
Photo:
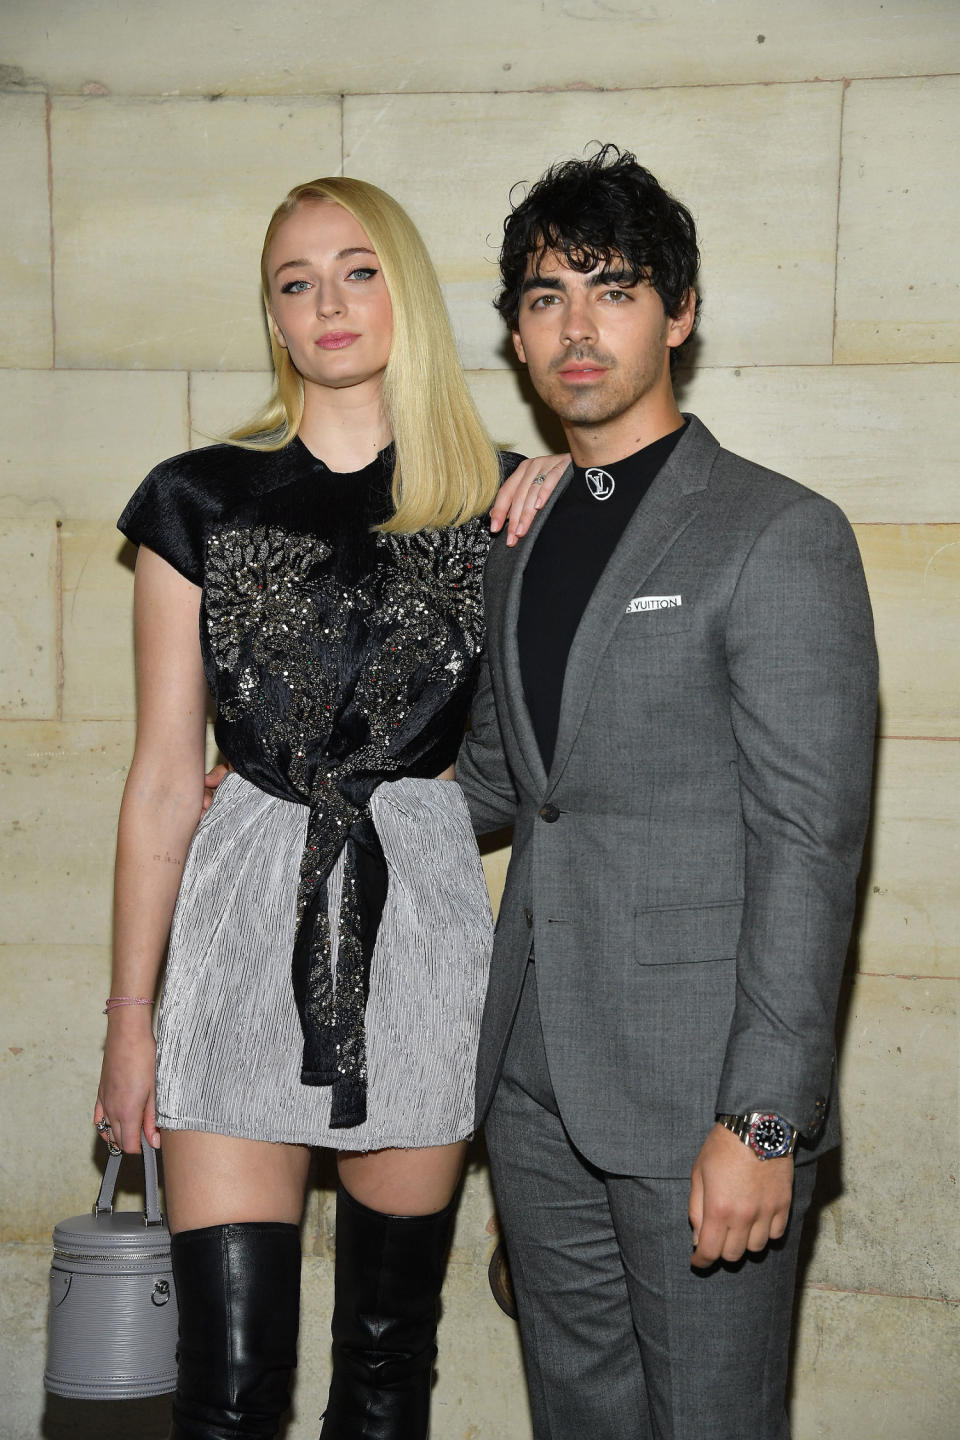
[
  {"x": 294, "y": 287},
  {"x": 362, "y": 272}
]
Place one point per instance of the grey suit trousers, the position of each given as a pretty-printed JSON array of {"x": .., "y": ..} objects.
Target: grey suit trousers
[{"x": 623, "y": 1339}]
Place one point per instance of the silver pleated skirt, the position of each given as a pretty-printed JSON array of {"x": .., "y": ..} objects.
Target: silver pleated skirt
[{"x": 229, "y": 1041}]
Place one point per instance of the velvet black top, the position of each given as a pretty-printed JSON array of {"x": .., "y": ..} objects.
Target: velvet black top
[{"x": 337, "y": 657}]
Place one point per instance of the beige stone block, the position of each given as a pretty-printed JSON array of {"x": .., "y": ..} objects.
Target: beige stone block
[
  {"x": 894, "y": 1227},
  {"x": 26, "y": 338},
  {"x": 911, "y": 916},
  {"x": 83, "y": 441},
  {"x": 880, "y": 440},
  {"x": 29, "y": 615},
  {"x": 513, "y": 413},
  {"x": 913, "y": 572},
  {"x": 160, "y": 207},
  {"x": 313, "y": 1366},
  {"x": 98, "y": 665},
  {"x": 898, "y": 296},
  {"x": 480, "y": 1391},
  {"x": 507, "y": 45},
  {"x": 222, "y": 401},
  {"x": 52, "y": 998},
  {"x": 875, "y": 1365},
  {"x": 28, "y": 1413},
  {"x": 768, "y": 235},
  {"x": 61, "y": 787},
  {"x": 496, "y": 861},
  {"x": 476, "y": 1230}
]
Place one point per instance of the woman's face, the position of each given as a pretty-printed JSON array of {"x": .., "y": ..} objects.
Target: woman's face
[{"x": 328, "y": 299}]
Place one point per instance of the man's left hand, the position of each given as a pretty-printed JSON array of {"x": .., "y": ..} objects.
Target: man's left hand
[
  {"x": 210, "y": 783},
  {"x": 738, "y": 1202}
]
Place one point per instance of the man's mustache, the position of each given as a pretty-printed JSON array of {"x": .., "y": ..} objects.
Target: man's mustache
[{"x": 583, "y": 354}]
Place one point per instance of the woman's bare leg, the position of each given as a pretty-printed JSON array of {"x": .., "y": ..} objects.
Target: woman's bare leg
[
  {"x": 220, "y": 1180},
  {"x": 403, "y": 1182}
]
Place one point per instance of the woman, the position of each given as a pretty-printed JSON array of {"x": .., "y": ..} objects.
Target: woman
[{"x": 322, "y": 576}]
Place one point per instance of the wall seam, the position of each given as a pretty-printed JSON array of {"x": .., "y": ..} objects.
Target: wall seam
[
  {"x": 836, "y": 245},
  {"x": 894, "y": 975},
  {"x": 932, "y": 739},
  {"x": 48, "y": 111},
  {"x": 58, "y": 619},
  {"x": 575, "y": 88},
  {"x": 884, "y": 1294}
]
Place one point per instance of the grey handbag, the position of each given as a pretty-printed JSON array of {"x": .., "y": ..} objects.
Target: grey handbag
[{"x": 113, "y": 1311}]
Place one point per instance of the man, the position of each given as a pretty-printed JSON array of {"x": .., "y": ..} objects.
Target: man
[{"x": 677, "y": 718}]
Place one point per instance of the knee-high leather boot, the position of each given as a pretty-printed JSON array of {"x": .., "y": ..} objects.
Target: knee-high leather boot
[
  {"x": 389, "y": 1271},
  {"x": 238, "y": 1292}
]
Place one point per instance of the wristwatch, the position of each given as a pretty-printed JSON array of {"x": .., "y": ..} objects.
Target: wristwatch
[{"x": 768, "y": 1136}]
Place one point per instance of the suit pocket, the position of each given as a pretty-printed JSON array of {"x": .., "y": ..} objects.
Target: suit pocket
[
  {"x": 645, "y": 624},
  {"x": 687, "y": 934}
]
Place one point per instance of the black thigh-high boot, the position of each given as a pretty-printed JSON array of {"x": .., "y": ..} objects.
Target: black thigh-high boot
[
  {"x": 238, "y": 1292},
  {"x": 389, "y": 1271}
]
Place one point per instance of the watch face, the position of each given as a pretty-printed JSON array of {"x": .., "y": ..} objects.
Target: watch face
[{"x": 769, "y": 1137}]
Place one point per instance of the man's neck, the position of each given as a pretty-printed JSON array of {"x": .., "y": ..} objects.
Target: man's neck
[{"x": 614, "y": 440}]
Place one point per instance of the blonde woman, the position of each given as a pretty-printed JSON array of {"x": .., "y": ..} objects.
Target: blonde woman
[{"x": 329, "y": 930}]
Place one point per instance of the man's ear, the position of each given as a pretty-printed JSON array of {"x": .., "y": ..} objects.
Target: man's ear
[
  {"x": 278, "y": 333},
  {"x": 518, "y": 346},
  {"x": 680, "y": 325}
]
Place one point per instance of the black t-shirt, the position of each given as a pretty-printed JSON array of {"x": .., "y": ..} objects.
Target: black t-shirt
[{"x": 568, "y": 557}]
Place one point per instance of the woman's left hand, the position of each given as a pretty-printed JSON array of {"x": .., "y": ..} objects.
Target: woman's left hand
[{"x": 524, "y": 492}]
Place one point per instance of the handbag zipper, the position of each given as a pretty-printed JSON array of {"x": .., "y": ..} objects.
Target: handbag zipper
[{"x": 111, "y": 1255}]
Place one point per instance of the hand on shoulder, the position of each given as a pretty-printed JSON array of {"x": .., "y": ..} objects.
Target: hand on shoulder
[{"x": 524, "y": 492}]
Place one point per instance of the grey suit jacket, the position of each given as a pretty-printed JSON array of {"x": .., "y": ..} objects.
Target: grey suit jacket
[{"x": 686, "y": 871}]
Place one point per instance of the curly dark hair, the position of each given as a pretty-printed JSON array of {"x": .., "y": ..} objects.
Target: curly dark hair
[{"x": 604, "y": 209}]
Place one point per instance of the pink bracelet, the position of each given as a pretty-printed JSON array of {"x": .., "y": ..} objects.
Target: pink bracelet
[{"x": 115, "y": 1001}]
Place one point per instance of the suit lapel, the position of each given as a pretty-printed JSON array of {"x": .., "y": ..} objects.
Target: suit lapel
[{"x": 661, "y": 517}]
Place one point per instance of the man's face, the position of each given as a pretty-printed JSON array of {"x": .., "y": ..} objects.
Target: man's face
[{"x": 597, "y": 345}]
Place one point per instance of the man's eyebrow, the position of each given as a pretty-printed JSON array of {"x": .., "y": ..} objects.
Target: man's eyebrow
[
  {"x": 615, "y": 275},
  {"x": 340, "y": 255},
  {"x": 541, "y": 282}
]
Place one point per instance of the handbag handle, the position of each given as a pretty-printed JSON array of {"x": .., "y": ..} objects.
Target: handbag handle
[{"x": 104, "y": 1201}]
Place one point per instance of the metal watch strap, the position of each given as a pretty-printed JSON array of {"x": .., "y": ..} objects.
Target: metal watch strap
[{"x": 742, "y": 1125}]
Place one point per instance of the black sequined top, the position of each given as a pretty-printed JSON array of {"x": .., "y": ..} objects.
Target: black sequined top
[{"x": 337, "y": 658}]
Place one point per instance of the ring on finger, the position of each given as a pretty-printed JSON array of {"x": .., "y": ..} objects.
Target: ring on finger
[
  {"x": 102, "y": 1125},
  {"x": 539, "y": 479}
]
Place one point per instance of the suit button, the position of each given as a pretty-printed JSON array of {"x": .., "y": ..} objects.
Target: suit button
[
  {"x": 549, "y": 813},
  {"x": 528, "y": 916}
]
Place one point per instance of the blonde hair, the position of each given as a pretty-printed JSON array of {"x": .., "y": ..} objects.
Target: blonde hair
[{"x": 446, "y": 468}]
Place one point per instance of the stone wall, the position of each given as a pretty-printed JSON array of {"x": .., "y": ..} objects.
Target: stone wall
[{"x": 143, "y": 147}]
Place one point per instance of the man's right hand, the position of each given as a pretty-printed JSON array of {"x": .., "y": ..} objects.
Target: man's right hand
[
  {"x": 738, "y": 1202},
  {"x": 210, "y": 783}
]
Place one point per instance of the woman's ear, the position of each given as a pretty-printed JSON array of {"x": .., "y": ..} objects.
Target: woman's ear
[{"x": 278, "y": 333}]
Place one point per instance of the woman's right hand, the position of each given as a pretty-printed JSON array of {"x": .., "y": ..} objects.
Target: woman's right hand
[
  {"x": 524, "y": 492},
  {"x": 127, "y": 1094}
]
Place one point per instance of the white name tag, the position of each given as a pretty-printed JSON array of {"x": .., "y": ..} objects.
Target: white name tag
[{"x": 653, "y": 602}]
